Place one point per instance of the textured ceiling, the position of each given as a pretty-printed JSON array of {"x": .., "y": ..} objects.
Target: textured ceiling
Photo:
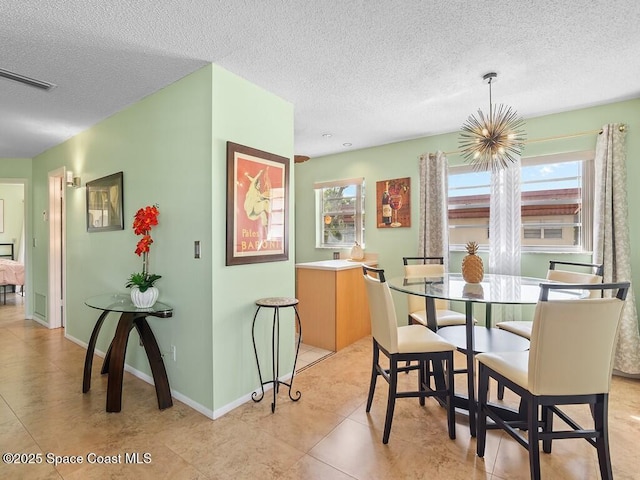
[{"x": 368, "y": 72}]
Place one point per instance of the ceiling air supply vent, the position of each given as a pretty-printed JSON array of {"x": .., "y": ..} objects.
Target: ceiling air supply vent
[{"x": 26, "y": 80}]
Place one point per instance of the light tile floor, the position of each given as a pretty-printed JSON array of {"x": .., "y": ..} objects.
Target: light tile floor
[
  {"x": 309, "y": 355},
  {"x": 326, "y": 435}
]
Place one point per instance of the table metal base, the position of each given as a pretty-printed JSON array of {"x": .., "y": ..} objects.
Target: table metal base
[{"x": 470, "y": 339}]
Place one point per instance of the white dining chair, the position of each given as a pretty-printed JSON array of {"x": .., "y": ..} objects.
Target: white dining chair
[
  {"x": 569, "y": 362},
  {"x": 404, "y": 344},
  {"x": 429, "y": 267},
  {"x": 593, "y": 275}
]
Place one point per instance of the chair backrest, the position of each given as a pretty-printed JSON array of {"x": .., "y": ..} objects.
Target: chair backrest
[
  {"x": 426, "y": 267},
  {"x": 590, "y": 273},
  {"x": 573, "y": 341},
  {"x": 384, "y": 325}
]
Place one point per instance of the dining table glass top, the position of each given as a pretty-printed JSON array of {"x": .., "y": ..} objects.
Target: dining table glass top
[{"x": 494, "y": 288}]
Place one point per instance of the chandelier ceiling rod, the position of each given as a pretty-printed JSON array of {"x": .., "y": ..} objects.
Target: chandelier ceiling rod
[{"x": 488, "y": 77}]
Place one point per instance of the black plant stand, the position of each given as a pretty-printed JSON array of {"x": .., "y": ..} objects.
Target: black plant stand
[{"x": 276, "y": 303}]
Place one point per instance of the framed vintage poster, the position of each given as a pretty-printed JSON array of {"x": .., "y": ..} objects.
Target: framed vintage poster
[
  {"x": 105, "y": 204},
  {"x": 257, "y": 206},
  {"x": 393, "y": 203}
]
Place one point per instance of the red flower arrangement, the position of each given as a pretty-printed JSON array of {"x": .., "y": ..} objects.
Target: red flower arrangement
[{"x": 143, "y": 221}]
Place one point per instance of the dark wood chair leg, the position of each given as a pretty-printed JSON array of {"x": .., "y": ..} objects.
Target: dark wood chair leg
[
  {"x": 483, "y": 384},
  {"x": 600, "y": 414},
  {"x": 500, "y": 391},
  {"x": 374, "y": 374},
  {"x": 391, "y": 401},
  {"x": 547, "y": 421},
  {"x": 451, "y": 411},
  {"x": 422, "y": 380},
  {"x": 533, "y": 439}
]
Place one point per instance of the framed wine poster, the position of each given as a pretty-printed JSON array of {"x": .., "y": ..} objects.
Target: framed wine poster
[
  {"x": 257, "y": 206},
  {"x": 393, "y": 203}
]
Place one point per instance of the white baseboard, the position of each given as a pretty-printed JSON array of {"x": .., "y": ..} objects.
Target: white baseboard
[
  {"x": 248, "y": 397},
  {"x": 37, "y": 318},
  {"x": 174, "y": 393},
  {"x": 183, "y": 398}
]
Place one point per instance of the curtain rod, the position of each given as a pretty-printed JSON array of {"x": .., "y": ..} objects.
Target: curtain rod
[{"x": 622, "y": 128}]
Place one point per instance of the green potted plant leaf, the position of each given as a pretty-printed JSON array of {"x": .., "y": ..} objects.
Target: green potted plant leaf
[{"x": 142, "y": 280}]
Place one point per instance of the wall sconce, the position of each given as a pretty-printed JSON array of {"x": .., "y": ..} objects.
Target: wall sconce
[{"x": 72, "y": 181}]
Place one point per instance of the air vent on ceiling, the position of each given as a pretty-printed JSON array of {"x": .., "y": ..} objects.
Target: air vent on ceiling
[{"x": 27, "y": 80}]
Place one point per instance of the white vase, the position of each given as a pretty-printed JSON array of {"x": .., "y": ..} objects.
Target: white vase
[
  {"x": 357, "y": 252},
  {"x": 144, "y": 299}
]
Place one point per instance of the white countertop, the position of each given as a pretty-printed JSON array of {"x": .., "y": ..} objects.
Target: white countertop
[{"x": 343, "y": 264}]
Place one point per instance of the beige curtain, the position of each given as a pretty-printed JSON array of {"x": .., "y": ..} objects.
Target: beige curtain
[
  {"x": 611, "y": 245},
  {"x": 434, "y": 225}
]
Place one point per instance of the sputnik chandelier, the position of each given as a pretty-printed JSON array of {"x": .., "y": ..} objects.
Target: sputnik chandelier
[{"x": 492, "y": 142}]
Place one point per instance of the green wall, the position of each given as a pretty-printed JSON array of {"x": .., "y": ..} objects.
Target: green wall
[
  {"x": 248, "y": 115},
  {"x": 401, "y": 160},
  {"x": 162, "y": 144},
  {"x": 171, "y": 147}
]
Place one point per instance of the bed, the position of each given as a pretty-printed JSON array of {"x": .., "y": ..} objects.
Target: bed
[{"x": 11, "y": 271}]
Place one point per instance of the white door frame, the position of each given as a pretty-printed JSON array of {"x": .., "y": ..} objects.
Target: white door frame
[{"x": 56, "y": 268}]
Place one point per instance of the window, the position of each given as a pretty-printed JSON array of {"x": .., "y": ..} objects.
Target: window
[
  {"x": 340, "y": 213},
  {"x": 556, "y": 211},
  {"x": 532, "y": 233}
]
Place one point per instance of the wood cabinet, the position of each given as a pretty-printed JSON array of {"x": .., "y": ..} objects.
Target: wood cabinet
[{"x": 333, "y": 304}]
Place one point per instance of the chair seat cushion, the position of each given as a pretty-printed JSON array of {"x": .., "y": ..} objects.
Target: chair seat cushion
[
  {"x": 519, "y": 328},
  {"x": 444, "y": 318},
  {"x": 513, "y": 365},
  {"x": 417, "y": 339}
]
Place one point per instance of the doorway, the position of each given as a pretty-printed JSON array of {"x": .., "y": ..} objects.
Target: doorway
[
  {"x": 56, "y": 267},
  {"x": 13, "y": 214}
]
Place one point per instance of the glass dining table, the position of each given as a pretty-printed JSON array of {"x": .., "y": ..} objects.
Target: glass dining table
[{"x": 470, "y": 339}]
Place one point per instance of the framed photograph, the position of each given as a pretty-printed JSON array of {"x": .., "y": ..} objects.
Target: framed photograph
[
  {"x": 393, "y": 203},
  {"x": 257, "y": 206},
  {"x": 105, "y": 204}
]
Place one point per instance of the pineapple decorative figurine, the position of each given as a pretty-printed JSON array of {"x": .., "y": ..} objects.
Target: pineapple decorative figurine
[{"x": 472, "y": 267}]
